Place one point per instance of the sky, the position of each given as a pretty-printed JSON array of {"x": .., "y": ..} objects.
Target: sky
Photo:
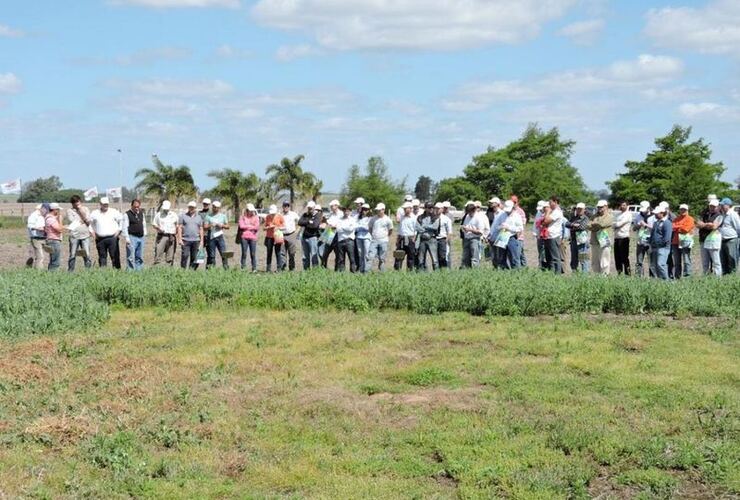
[{"x": 426, "y": 84}]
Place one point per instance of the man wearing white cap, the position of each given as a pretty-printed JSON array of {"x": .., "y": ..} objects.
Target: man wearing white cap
[
  {"x": 190, "y": 234},
  {"x": 711, "y": 219},
  {"x": 35, "y": 225},
  {"x": 430, "y": 227},
  {"x": 358, "y": 205},
  {"x": 601, "y": 242},
  {"x": 105, "y": 226},
  {"x": 660, "y": 242},
  {"x": 53, "y": 230},
  {"x": 399, "y": 213},
  {"x": 552, "y": 222},
  {"x": 332, "y": 220},
  {"x": 497, "y": 248},
  {"x": 539, "y": 231},
  {"x": 445, "y": 230},
  {"x": 580, "y": 261},
  {"x": 642, "y": 224},
  {"x": 408, "y": 228},
  {"x": 494, "y": 207},
  {"x": 310, "y": 222},
  {"x": 509, "y": 230},
  {"x": 622, "y": 226},
  {"x": 381, "y": 229},
  {"x": 475, "y": 229},
  {"x": 216, "y": 223},
  {"x": 165, "y": 223},
  {"x": 290, "y": 235}
]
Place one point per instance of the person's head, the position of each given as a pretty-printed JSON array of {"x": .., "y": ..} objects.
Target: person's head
[
  {"x": 54, "y": 208},
  {"x": 192, "y": 205},
  {"x": 272, "y": 210},
  {"x": 135, "y": 205},
  {"x": 446, "y": 207},
  {"x": 310, "y": 207},
  {"x": 644, "y": 207},
  {"x": 541, "y": 205},
  {"x": 438, "y": 208},
  {"x": 494, "y": 203},
  {"x": 39, "y": 207},
  {"x": 415, "y": 204},
  {"x": 515, "y": 200},
  {"x": 428, "y": 207},
  {"x": 206, "y": 203},
  {"x": 623, "y": 207},
  {"x": 105, "y": 203},
  {"x": 601, "y": 207},
  {"x": 683, "y": 209},
  {"x": 286, "y": 207},
  {"x": 408, "y": 198},
  {"x": 710, "y": 198},
  {"x": 725, "y": 204},
  {"x": 407, "y": 208},
  {"x": 215, "y": 207},
  {"x": 580, "y": 209},
  {"x": 359, "y": 202},
  {"x": 477, "y": 204},
  {"x": 166, "y": 206},
  {"x": 250, "y": 210},
  {"x": 334, "y": 205},
  {"x": 659, "y": 212},
  {"x": 364, "y": 209},
  {"x": 380, "y": 209},
  {"x": 346, "y": 211},
  {"x": 76, "y": 201},
  {"x": 508, "y": 206},
  {"x": 714, "y": 206},
  {"x": 554, "y": 202}
]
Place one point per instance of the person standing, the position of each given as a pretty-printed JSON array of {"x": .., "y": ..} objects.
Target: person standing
[
  {"x": 729, "y": 230},
  {"x": 165, "y": 223},
  {"x": 381, "y": 229},
  {"x": 331, "y": 225},
  {"x": 641, "y": 225},
  {"x": 474, "y": 228},
  {"x": 105, "y": 226},
  {"x": 523, "y": 216},
  {"x": 660, "y": 242},
  {"x": 711, "y": 219},
  {"x": 445, "y": 231},
  {"x": 513, "y": 226},
  {"x": 497, "y": 247},
  {"x": 446, "y": 205},
  {"x": 249, "y": 225},
  {"x": 401, "y": 211},
  {"x": 408, "y": 227},
  {"x": 134, "y": 232},
  {"x": 53, "y": 231},
  {"x": 273, "y": 238},
  {"x": 362, "y": 238},
  {"x": 552, "y": 221},
  {"x": 622, "y": 226},
  {"x": 430, "y": 228},
  {"x": 215, "y": 224},
  {"x": 600, "y": 241},
  {"x": 539, "y": 232},
  {"x": 682, "y": 242},
  {"x": 190, "y": 236},
  {"x": 205, "y": 212},
  {"x": 346, "y": 227},
  {"x": 579, "y": 240},
  {"x": 290, "y": 236},
  {"x": 36, "y": 226},
  {"x": 310, "y": 222},
  {"x": 79, "y": 233}
]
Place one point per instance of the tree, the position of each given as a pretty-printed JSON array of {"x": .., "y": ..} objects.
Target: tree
[
  {"x": 235, "y": 187},
  {"x": 424, "y": 188},
  {"x": 375, "y": 186},
  {"x": 534, "y": 167},
  {"x": 677, "y": 171},
  {"x": 40, "y": 189},
  {"x": 289, "y": 175},
  {"x": 266, "y": 191},
  {"x": 457, "y": 190},
  {"x": 311, "y": 186},
  {"x": 165, "y": 181}
]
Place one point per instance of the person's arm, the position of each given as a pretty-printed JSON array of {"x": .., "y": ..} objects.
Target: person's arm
[
  {"x": 92, "y": 228},
  {"x": 143, "y": 222},
  {"x": 201, "y": 234},
  {"x": 225, "y": 226},
  {"x": 124, "y": 228},
  {"x": 119, "y": 222}
]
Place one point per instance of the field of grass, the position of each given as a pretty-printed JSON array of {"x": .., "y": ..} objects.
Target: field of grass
[{"x": 221, "y": 402}]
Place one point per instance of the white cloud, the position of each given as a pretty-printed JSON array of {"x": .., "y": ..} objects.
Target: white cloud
[
  {"x": 170, "y": 4},
  {"x": 710, "y": 111},
  {"x": 144, "y": 57},
  {"x": 10, "y": 84},
  {"x": 713, "y": 29},
  {"x": 8, "y": 32},
  {"x": 227, "y": 51},
  {"x": 411, "y": 24},
  {"x": 290, "y": 52},
  {"x": 583, "y": 32}
]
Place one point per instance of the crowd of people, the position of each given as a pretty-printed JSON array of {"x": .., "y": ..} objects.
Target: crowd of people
[{"x": 420, "y": 236}]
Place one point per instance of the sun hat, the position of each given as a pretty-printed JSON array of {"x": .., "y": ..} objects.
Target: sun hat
[
  {"x": 192, "y": 204},
  {"x": 360, "y": 200},
  {"x": 311, "y": 204},
  {"x": 104, "y": 200},
  {"x": 272, "y": 210},
  {"x": 166, "y": 205},
  {"x": 508, "y": 206},
  {"x": 581, "y": 205},
  {"x": 250, "y": 207},
  {"x": 206, "y": 201},
  {"x": 683, "y": 206},
  {"x": 602, "y": 203},
  {"x": 380, "y": 206},
  {"x": 217, "y": 204}
]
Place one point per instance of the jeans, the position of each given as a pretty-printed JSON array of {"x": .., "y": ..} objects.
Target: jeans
[
  {"x": 523, "y": 259},
  {"x": 553, "y": 258},
  {"x": 272, "y": 247},
  {"x": 108, "y": 245},
  {"x": 135, "y": 253},
  {"x": 164, "y": 248},
  {"x": 681, "y": 262},
  {"x": 427, "y": 246},
  {"x": 377, "y": 249},
  {"x": 218, "y": 243},
  {"x": 346, "y": 249},
  {"x": 289, "y": 249},
  {"x": 408, "y": 245},
  {"x": 711, "y": 262},
  {"x": 251, "y": 247},
  {"x": 310, "y": 248},
  {"x": 74, "y": 245},
  {"x": 55, "y": 256},
  {"x": 659, "y": 260},
  {"x": 188, "y": 254},
  {"x": 363, "y": 250},
  {"x": 513, "y": 258},
  {"x": 471, "y": 252},
  {"x": 728, "y": 256},
  {"x": 622, "y": 255},
  {"x": 641, "y": 253}
]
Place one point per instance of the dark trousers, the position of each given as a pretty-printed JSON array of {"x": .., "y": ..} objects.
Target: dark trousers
[
  {"x": 622, "y": 255},
  {"x": 272, "y": 247},
  {"x": 210, "y": 254},
  {"x": 108, "y": 245},
  {"x": 327, "y": 250},
  {"x": 553, "y": 258},
  {"x": 541, "y": 253},
  {"x": 189, "y": 252},
  {"x": 408, "y": 245},
  {"x": 427, "y": 246},
  {"x": 346, "y": 250},
  {"x": 728, "y": 256},
  {"x": 573, "y": 252},
  {"x": 442, "y": 253},
  {"x": 219, "y": 244}
]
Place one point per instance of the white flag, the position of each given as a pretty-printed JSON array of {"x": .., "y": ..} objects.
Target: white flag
[
  {"x": 11, "y": 187},
  {"x": 114, "y": 192},
  {"x": 91, "y": 193}
]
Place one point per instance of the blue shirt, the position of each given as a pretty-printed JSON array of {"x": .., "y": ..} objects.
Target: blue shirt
[{"x": 661, "y": 234}]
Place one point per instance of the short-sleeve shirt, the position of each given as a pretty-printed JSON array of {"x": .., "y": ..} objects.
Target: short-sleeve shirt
[
  {"x": 381, "y": 227},
  {"x": 191, "y": 225},
  {"x": 212, "y": 219},
  {"x": 555, "y": 229}
]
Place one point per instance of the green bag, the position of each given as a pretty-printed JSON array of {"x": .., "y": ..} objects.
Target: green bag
[{"x": 603, "y": 238}]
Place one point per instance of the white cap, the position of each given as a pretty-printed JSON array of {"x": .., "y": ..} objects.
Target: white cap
[
  {"x": 192, "y": 204},
  {"x": 317, "y": 207},
  {"x": 711, "y": 197},
  {"x": 508, "y": 206},
  {"x": 415, "y": 202},
  {"x": 206, "y": 201},
  {"x": 380, "y": 206},
  {"x": 477, "y": 204},
  {"x": 541, "y": 204},
  {"x": 683, "y": 206},
  {"x": 407, "y": 204},
  {"x": 446, "y": 204},
  {"x": 408, "y": 197},
  {"x": 439, "y": 205},
  {"x": 581, "y": 205},
  {"x": 495, "y": 199},
  {"x": 250, "y": 207},
  {"x": 602, "y": 203},
  {"x": 714, "y": 203},
  {"x": 644, "y": 205},
  {"x": 217, "y": 204},
  {"x": 360, "y": 200},
  {"x": 272, "y": 210},
  {"x": 311, "y": 204},
  {"x": 53, "y": 206},
  {"x": 334, "y": 203},
  {"x": 468, "y": 203},
  {"x": 39, "y": 206},
  {"x": 665, "y": 204},
  {"x": 365, "y": 205},
  {"x": 105, "y": 201},
  {"x": 660, "y": 209}
]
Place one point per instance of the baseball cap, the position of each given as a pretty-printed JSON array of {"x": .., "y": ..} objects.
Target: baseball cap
[
  {"x": 415, "y": 202},
  {"x": 250, "y": 207},
  {"x": 365, "y": 205},
  {"x": 166, "y": 205},
  {"x": 317, "y": 207},
  {"x": 508, "y": 206},
  {"x": 272, "y": 210},
  {"x": 660, "y": 209},
  {"x": 407, "y": 204},
  {"x": 429, "y": 204},
  {"x": 644, "y": 205},
  {"x": 477, "y": 204},
  {"x": 602, "y": 203},
  {"x": 541, "y": 204},
  {"x": 206, "y": 201},
  {"x": 192, "y": 204},
  {"x": 286, "y": 203},
  {"x": 105, "y": 201},
  {"x": 380, "y": 206},
  {"x": 446, "y": 204},
  {"x": 495, "y": 199},
  {"x": 683, "y": 206},
  {"x": 581, "y": 205},
  {"x": 408, "y": 197},
  {"x": 38, "y": 207},
  {"x": 334, "y": 203},
  {"x": 726, "y": 201},
  {"x": 468, "y": 203},
  {"x": 217, "y": 204},
  {"x": 311, "y": 204},
  {"x": 53, "y": 206},
  {"x": 711, "y": 197},
  {"x": 360, "y": 200},
  {"x": 439, "y": 205},
  {"x": 665, "y": 204},
  {"x": 714, "y": 203}
]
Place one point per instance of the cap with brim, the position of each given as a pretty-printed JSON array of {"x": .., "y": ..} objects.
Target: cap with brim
[
  {"x": 272, "y": 210},
  {"x": 446, "y": 204},
  {"x": 541, "y": 204},
  {"x": 311, "y": 204},
  {"x": 360, "y": 200},
  {"x": 38, "y": 207},
  {"x": 659, "y": 209},
  {"x": 508, "y": 206},
  {"x": 714, "y": 203},
  {"x": 477, "y": 204},
  {"x": 407, "y": 205},
  {"x": 217, "y": 204},
  {"x": 439, "y": 205},
  {"x": 250, "y": 207},
  {"x": 380, "y": 206},
  {"x": 366, "y": 205},
  {"x": 726, "y": 201},
  {"x": 581, "y": 205},
  {"x": 192, "y": 204},
  {"x": 415, "y": 202},
  {"x": 429, "y": 204},
  {"x": 104, "y": 200},
  {"x": 683, "y": 206},
  {"x": 495, "y": 199},
  {"x": 53, "y": 206},
  {"x": 334, "y": 203},
  {"x": 206, "y": 201},
  {"x": 644, "y": 204},
  {"x": 408, "y": 197},
  {"x": 317, "y": 207},
  {"x": 711, "y": 197},
  {"x": 469, "y": 203},
  {"x": 165, "y": 204},
  {"x": 602, "y": 203}
]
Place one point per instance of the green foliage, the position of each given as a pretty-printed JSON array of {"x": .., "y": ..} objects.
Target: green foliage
[
  {"x": 677, "y": 171},
  {"x": 424, "y": 188},
  {"x": 289, "y": 175},
  {"x": 234, "y": 186},
  {"x": 376, "y": 185},
  {"x": 165, "y": 181},
  {"x": 35, "y": 190},
  {"x": 458, "y": 190},
  {"x": 12, "y": 222},
  {"x": 117, "y": 452}
]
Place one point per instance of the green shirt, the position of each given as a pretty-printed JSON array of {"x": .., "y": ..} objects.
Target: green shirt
[{"x": 212, "y": 220}]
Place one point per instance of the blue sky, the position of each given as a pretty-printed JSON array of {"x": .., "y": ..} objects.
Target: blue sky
[{"x": 427, "y": 84}]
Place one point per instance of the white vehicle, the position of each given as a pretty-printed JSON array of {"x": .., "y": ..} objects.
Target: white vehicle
[{"x": 455, "y": 214}]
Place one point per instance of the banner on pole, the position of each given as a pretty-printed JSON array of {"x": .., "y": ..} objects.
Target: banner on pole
[
  {"x": 116, "y": 192},
  {"x": 11, "y": 187},
  {"x": 91, "y": 193}
]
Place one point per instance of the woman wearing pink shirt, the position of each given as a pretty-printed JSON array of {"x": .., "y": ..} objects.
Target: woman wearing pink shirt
[
  {"x": 249, "y": 225},
  {"x": 53, "y": 230}
]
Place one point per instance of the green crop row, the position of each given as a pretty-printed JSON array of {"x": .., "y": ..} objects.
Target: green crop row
[{"x": 36, "y": 302}]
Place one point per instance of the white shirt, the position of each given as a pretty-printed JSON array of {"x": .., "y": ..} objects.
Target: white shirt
[
  {"x": 78, "y": 229},
  {"x": 333, "y": 219},
  {"x": 381, "y": 228},
  {"x": 36, "y": 221},
  {"x": 167, "y": 223},
  {"x": 399, "y": 214},
  {"x": 363, "y": 228},
  {"x": 105, "y": 223},
  {"x": 622, "y": 225},
  {"x": 555, "y": 229},
  {"x": 513, "y": 223},
  {"x": 445, "y": 227},
  {"x": 289, "y": 222},
  {"x": 346, "y": 228},
  {"x": 407, "y": 226},
  {"x": 477, "y": 221}
]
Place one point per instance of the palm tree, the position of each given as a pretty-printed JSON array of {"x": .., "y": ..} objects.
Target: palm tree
[
  {"x": 288, "y": 175},
  {"x": 311, "y": 186},
  {"x": 165, "y": 181},
  {"x": 265, "y": 191},
  {"x": 235, "y": 186}
]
